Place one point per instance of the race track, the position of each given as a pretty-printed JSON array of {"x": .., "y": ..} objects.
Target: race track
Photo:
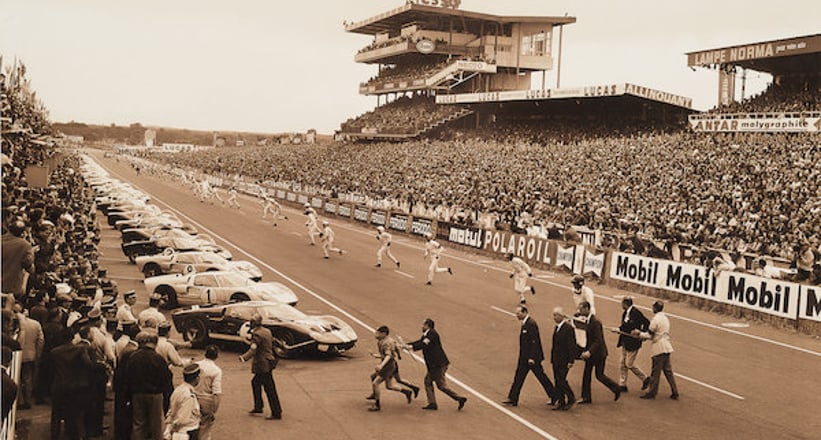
[{"x": 745, "y": 383}]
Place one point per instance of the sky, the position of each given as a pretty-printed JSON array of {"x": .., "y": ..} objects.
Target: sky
[{"x": 274, "y": 66}]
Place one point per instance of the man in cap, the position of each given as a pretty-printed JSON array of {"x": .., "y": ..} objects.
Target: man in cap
[
  {"x": 582, "y": 293},
  {"x": 384, "y": 239},
  {"x": 184, "y": 411},
  {"x": 126, "y": 342},
  {"x": 152, "y": 311},
  {"x": 434, "y": 250},
  {"x": 147, "y": 376},
  {"x": 659, "y": 333},
  {"x": 386, "y": 370},
  {"x": 261, "y": 351},
  {"x": 126, "y": 312},
  {"x": 521, "y": 272},
  {"x": 327, "y": 235}
]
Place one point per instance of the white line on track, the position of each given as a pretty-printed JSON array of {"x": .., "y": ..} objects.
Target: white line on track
[
  {"x": 708, "y": 386},
  {"x": 419, "y": 359},
  {"x": 111, "y": 259},
  {"x": 503, "y": 311},
  {"x": 129, "y": 278},
  {"x": 403, "y": 273}
]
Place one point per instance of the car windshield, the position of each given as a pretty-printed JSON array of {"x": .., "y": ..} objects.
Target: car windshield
[
  {"x": 234, "y": 279},
  {"x": 280, "y": 311}
]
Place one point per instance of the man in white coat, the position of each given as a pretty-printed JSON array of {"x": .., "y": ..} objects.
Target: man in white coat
[
  {"x": 384, "y": 239},
  {"x": 659, "y": 333},
  {"x": 434, "y": 250},
  {"x": 521, "y": 272}
]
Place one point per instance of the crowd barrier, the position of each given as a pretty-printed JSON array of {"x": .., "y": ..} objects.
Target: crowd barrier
[{"x": 789, "y": 301}]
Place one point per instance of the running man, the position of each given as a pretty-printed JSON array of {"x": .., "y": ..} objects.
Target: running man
[
  {"x": 232, "y": 197},
  {"x": 327, "y": 236},
  {"x": 434, "y": 250},
  {"x": 521, "y": 272},
  {"x": 385, "y": 370},
  {"x": 385, "y": 239},
  {"x": 270, "y": 205},
  {"x": 312, "y": 223}
]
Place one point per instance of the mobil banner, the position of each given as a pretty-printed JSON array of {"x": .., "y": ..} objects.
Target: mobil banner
[
  {"x": 593, "y": 263},
  {"x": 810, "y": 306},
  {"x": 689, "y": 279},
  {"x": 532, "y": 249},
  {"x": 767, "y": 295}
]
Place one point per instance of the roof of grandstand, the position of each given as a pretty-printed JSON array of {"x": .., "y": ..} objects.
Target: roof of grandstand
[
  {"x": 777, "y": 57},
  {"x": 435, "y": 17}
]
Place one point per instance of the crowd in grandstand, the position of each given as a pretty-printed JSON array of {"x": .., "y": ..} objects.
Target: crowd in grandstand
[
  {"x": 744, "y": 193},
  {"x": 407, "y": 72},
  {"x": 405, "y": 115},
  {"x": 795, "y": 96}
]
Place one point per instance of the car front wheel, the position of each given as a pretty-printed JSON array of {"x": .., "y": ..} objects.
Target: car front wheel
[
  {"x": 194, "y": 331},
  {"x": 168, "y": 297},
  {"x": 152, "y": 270}
]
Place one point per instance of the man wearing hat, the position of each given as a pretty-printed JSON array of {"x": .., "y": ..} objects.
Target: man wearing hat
[
  {"x": 582, "y": 293},
  {"x": 152, "y": 311},
  {"x": 126, "y": 342},
  {"x": 147, "y": 376},
  {"x": 261, "y": 352},
  {"x": 125, "y": 312},
  {"x": 384, "y": 239},
  {"x": 184, "y": 412},
  {"x": 327, "y": 235}
]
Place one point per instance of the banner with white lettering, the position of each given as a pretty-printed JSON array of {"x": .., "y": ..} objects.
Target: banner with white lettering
[
  {"x": 280, "y": 193},
  {"x": 344, "y": 210},
  {"x": 531, "y": 249},
  {"x": 775, "y": 297},
  {"x": 398, "y": 222},
  {"x": 291, "y": 197},
  {"x": 810, "y": 307},
  {"x": 421, "y": 226},
  {"x": 565, "y": 256},
  {"x": 461, "y": 234},
  {"x": 330, "y": 207},
  {"x": 302, "y": 198},
  {"x": 317, "y": 202},
  {"x": 360, "y": 214},
  {"x": 378, "y": 218},
  {"x": 593, "y": 263}
]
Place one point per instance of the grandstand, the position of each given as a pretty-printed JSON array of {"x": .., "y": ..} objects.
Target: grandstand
[
  {"x": 791, "y": 103},
  {"x": 446, "y": 68}
]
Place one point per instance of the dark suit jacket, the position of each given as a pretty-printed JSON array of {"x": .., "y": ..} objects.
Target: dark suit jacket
[
  {"x": 264, "y": 360},
  {"x": 564, "y": 349},
  {"x": 72, "y": 366},
  {"x": 431, "y": 347},
  {"x": 530, "y": 343},
  {"x": 18, "y": 256},
  {"x": 595, "y": 339},
  {"x": 636, "y": 321}
]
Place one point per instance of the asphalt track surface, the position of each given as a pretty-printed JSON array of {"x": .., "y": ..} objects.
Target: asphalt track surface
[{"x": 747, "y": 383}]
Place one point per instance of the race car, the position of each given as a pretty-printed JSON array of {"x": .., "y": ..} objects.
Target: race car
[
  {"x": 158, "y": 245},
  {"x": 215, "y": 288},
  {"x": 294, "y": 332},
  {"x": 171, "y": 261},
  {"x": 143, "y": 234}
]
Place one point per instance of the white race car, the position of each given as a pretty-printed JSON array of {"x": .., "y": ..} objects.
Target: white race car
[
  {"x": 216, "y": 287},
  {"x": 179, "y": 262}
]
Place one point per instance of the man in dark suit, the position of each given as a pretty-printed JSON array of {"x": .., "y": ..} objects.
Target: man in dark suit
[
  {"x": 437, "y": 363},
  {"x": 530, "y": 359},
  {"x": 631, "y": 319},
  {"x": 18, "y": 259},
  {"x": 594, "y": 355},
  {"x": 70, "y": 388},
  {"x": 562, "y": 356},
  {"x": 262, "y": 352}
]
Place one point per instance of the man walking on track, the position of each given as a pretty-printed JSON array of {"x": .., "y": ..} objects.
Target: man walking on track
[
  {"x": 659, "y": 333},
  {"x": 261, "y": 351},
  {"x": 531, "y": 356},
  {"x": 437, "y": 363}
]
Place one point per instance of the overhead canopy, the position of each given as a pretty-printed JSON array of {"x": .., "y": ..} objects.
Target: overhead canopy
[
  {"x": 438, "y": 18},
  {"x": 776, "y": 57}
]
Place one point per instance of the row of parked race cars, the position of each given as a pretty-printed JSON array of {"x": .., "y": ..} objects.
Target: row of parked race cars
[{"x": 218, "y": 295}]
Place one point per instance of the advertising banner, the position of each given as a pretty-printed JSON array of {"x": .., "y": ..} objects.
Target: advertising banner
[
  {"x": 533, "y": 249},
  {"x": 330, "y": 207},
  {"x": 379, "y": 218},
  {"x": 565, "y": 256},
  {"x": 462, "y": 235},
  {"x": 726, "y": 87},
  {"x": 593, "y": 263},
  {"x": 344, "y": 210},
  {"x": 317, "y": 202},
  {"x": 770, "y": 124},
  {"x": 421, "y": 226},
  {"x": 302, "y": 198},
  {"x": 360, "y": 214},
  {"x": 398, "y": 222},
  {"x": 291, "y": 197},
  {"x": 810, "y": 307},
  {"x": 775, "y": 297},
  {"x": 280, "y": 193}
]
